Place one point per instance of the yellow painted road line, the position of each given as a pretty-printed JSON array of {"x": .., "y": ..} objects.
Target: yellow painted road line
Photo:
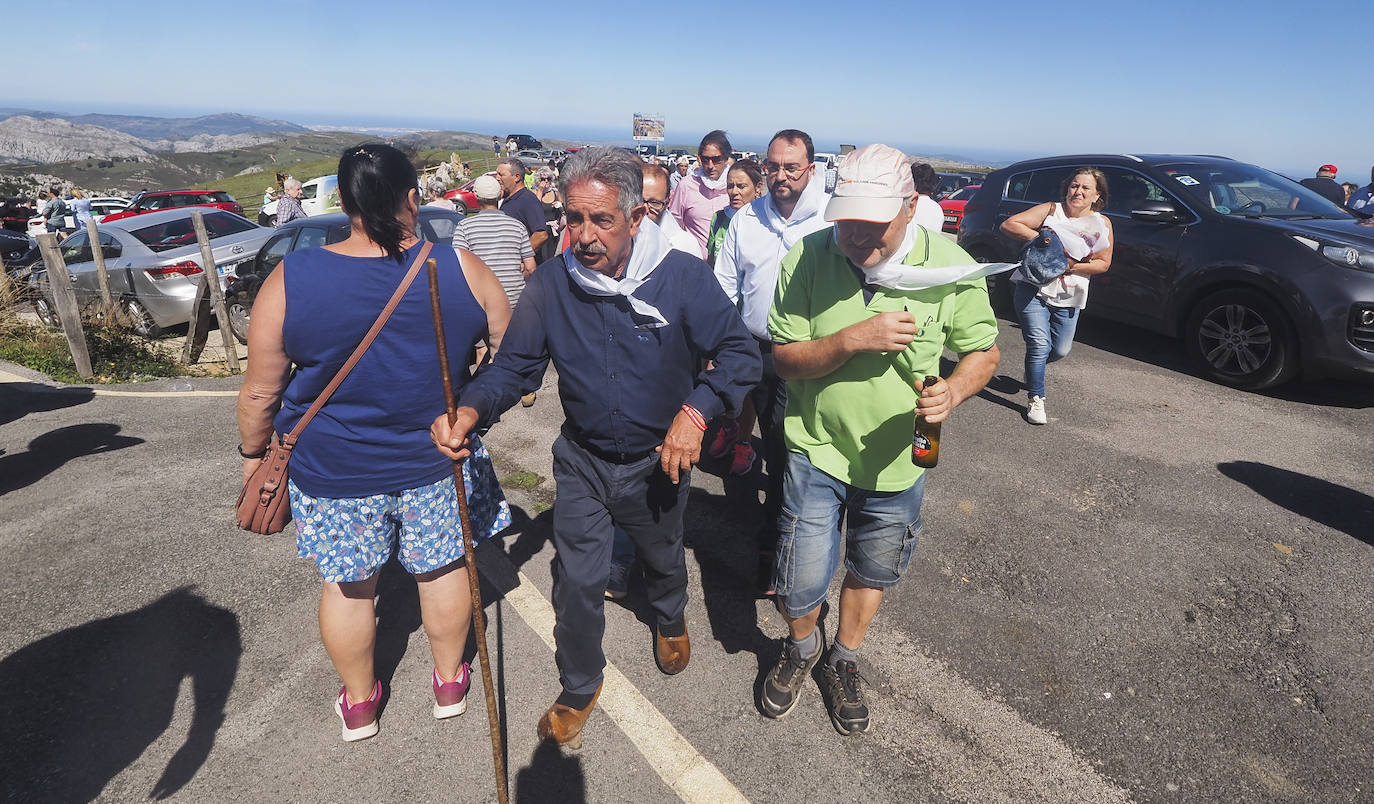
[{"x": 693, "y": 777}]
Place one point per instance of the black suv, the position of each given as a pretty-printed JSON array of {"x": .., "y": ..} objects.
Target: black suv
[
  {"x": 524, "y": 142},
  {"x": 436, "y": 225},
  {"x": 1261, "y": 277}
]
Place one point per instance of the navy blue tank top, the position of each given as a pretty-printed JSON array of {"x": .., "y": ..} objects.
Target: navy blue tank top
[{"x": 372, "y": 436}]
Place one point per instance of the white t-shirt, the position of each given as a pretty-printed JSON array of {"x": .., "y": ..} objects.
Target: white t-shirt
[
  {"x": 929, "y": 214},
  {"x": 1081, "y": 237}
]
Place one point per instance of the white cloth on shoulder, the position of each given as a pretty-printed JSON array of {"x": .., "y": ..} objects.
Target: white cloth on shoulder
[
  {"x": 897, "y": 275},
  {"x": 648, "y": 250}
]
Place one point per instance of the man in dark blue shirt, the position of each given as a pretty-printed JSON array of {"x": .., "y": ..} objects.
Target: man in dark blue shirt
[
  {"x": 520, "y": 203},
  {"x": 626, "y": 321}
]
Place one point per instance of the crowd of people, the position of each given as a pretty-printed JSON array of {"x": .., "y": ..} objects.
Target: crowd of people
[{"x": 733, "y": 295}]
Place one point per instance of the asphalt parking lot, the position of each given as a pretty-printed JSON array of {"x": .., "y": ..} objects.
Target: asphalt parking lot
[{"x": 1162, "y": 595}]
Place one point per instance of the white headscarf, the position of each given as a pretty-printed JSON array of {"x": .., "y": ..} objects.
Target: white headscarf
[
  {"x": 896, "y": 274},
  {"x": 810, "y": 204},
  {"x": 647, "y": 251},
  {"x": 714, "y": 184}
]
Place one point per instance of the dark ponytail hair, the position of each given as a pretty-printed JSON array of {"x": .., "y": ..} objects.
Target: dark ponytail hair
[
  {"x": 751, "y": 169},
  {"x": 374, "y": 182}
]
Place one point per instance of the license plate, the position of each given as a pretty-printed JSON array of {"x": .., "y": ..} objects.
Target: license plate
[{"x": 951, "y": 219}]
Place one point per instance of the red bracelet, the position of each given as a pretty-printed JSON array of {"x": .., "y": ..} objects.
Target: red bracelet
[{"x": 695, "y": 416}]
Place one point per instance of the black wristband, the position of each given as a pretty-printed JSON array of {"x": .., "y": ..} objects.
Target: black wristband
[{"x": 255, "y": 455}]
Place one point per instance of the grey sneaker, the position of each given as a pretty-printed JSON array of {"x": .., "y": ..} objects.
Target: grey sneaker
[
  {"x": 618, "y": 585},
  {"x": 783, "y": 685},
  {"x": 844, "y": 697}
]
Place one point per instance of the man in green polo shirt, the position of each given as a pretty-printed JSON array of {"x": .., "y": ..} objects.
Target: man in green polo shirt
[{"x": 856, "y": 329}]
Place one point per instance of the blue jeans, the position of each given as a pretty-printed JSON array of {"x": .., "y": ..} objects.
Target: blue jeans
[
  {"x": 1047, "y": 331},
  {"x": 882, "y": 533}
]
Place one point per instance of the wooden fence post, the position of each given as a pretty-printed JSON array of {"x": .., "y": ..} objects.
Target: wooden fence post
[
  {"x": 210, "y": 281},
  {"x": 101, "y": 275},
  {"x": 64, "y": 298}
]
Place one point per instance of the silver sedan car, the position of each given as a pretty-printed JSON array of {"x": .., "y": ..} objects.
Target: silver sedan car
[{"x": 154, "y": 264}]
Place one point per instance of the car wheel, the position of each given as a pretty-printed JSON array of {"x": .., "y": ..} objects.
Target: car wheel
[
  {"x": 460, "y": 208},
  {"x": 139, "y": 319},
  {"x": 239, "y": 314},
  {"x": 45, "y": 312},
  {"x": 1239, "y": 337}
]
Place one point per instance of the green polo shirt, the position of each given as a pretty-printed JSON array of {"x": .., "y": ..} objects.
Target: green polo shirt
[{"x": 855, "y": 423}]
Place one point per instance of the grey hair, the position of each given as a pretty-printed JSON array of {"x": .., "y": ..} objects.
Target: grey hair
[
  {"x": 517, "y": 168},
  {"x": 291, "y": 183},
  {"x": 544, "y": 173},
  {"x": 437, "y": 187},
  {"x": 613, "y": 167}
]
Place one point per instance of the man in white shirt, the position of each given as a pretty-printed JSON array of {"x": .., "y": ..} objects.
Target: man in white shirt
[
  {"x": 759, "y": 236},
  {"x": 683, "y": 165},
  {"x": 928, "y": 212},
  {"x": 656, "y": 199}
]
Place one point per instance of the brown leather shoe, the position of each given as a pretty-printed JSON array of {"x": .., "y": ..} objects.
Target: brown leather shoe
[
  {"x": 672, "y": 653},
  {"x": 563, "y": 724}
]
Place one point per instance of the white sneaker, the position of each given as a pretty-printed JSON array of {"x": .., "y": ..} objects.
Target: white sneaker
[{"x": 1035, "y": 411}]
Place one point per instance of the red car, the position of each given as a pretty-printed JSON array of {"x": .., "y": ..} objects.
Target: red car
[
  {"x": 953, "y": 207},
  {"x": 463, "y": 198},
  {"x": 168, "y": 199}
]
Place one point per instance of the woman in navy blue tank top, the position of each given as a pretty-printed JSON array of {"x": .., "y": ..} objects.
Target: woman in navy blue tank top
[{"x": 366, "y": 481}]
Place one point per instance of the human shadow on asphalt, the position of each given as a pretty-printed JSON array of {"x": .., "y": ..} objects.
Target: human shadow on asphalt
[
  {"x": 551, "y": 777},
  {"x": 1339, "y": 508},
  {"x": 86, "y": 702},
  {"x": 18, "y": 399},
  {"x": 50, "y": 451}
]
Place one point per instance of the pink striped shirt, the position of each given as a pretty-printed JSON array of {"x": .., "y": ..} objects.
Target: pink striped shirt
[{"x": 694, "y": 205}]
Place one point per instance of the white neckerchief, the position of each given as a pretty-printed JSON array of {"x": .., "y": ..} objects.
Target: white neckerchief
[
  {"x": 897, "y": 275},
  {"x": 647, "y": 251},
  {"x": 809, "y": 204},
  {"x": 714, "y": 184}
]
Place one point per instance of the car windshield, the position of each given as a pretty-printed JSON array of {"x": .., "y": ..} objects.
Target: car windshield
[
  {"x": 1248, "y": 191},
  {"x": 179, "y": 232},
  {"x": 963, "y": 193}
]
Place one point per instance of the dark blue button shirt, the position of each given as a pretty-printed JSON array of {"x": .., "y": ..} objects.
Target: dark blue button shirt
[
  {"x": 621, "y": 382},
  {"x": 524, "y": 206}
]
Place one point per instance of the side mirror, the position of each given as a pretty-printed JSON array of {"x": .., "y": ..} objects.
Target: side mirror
[{"x": 1156, "y": 212}]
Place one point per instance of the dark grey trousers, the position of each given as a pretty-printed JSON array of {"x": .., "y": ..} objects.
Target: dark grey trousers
[{"x": 595, "y": 495}]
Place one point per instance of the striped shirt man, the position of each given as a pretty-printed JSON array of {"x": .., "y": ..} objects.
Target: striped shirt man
[{"x": 502, "y": 243}]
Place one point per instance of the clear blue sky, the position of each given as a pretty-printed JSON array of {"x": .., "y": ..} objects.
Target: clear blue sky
[{"x": 1278, "y": 83}]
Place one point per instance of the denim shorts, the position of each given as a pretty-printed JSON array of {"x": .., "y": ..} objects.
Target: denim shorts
[
  {"x": 350, "y": 538},
  {"x": 882, "y": 533}
]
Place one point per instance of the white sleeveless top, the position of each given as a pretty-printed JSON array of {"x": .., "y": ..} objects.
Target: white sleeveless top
[{"x": 1081, "y": 237}]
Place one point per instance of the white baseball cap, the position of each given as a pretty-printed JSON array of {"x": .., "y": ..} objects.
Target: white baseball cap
[
  {"x": 486, "y": 188},
  {"x": 871, "y": 185}
]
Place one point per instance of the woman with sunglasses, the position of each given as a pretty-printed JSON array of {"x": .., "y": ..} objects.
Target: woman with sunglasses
[{"x": 701, "y": 195}]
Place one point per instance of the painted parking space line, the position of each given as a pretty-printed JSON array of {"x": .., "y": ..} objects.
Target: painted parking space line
[
  {"x": 6, "y": 377},
  {"x": 693, "y": 777}
]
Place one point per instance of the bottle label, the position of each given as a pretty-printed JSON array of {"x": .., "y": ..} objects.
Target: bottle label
[{"x": 920, "y": 445}]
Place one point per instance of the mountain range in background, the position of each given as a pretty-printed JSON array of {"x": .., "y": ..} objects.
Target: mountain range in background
[{"x": 166, "y": 128}]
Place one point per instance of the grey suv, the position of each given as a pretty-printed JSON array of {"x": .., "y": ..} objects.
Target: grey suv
[{"x": 1262, "y": 278}]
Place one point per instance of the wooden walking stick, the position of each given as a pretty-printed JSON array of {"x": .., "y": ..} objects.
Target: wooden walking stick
[{"x": 469, "y": 551}]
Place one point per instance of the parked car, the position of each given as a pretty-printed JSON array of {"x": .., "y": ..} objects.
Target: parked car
[
  {"x": 318, "y": 196},
  {"x": 19, "y": 252},
  {"x": 524, "y": 142},
  {"x": 436, "y": 225},
  {"x": 154, "y": 264},
  {"x": 951, "y": 182},
  {"x": 1262, "y": 278},
  {"x": 826, "y": 161},
  {"x": 155, "y": 200},
  {"x": 953, "y": 207},
  {"x": 464, "y": 200}
]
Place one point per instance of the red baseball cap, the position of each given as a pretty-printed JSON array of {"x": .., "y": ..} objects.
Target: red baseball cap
[{"x": 1328, "y": 169}]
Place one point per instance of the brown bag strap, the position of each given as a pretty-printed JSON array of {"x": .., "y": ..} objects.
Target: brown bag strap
[{"x": 290, "y": 439}]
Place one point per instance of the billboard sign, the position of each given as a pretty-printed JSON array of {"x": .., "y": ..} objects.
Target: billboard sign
[{"x": 647, "y": 127}]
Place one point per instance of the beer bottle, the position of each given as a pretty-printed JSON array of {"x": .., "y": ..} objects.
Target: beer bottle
[{"x": 925, "y": 438}]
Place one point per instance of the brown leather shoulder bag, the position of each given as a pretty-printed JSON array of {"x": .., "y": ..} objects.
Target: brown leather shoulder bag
[{"x": 264, "y": 506}]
